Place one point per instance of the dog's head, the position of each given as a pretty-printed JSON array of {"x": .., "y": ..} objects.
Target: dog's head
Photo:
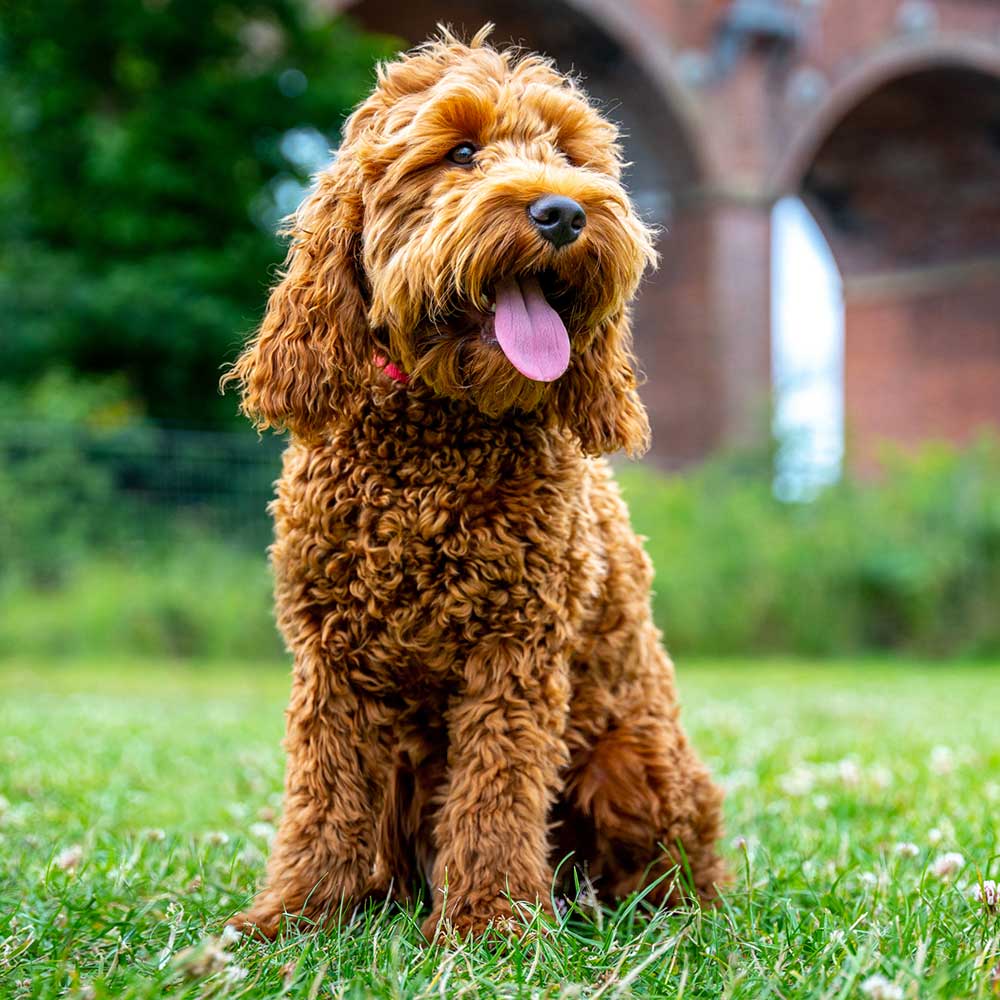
[{"x": 473, "y": 230}]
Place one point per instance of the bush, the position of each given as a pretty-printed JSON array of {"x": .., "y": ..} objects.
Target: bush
[
  {"x": 909, "y": 563},
  {"x": 123, "y": 537},
  {"x": 82, "y": 473},
  {"x": 148, "y": 151},
  {"x": 189, "y": 598}
]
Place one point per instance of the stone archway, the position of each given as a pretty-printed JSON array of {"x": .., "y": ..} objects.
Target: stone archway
[{"x": 904, "y": 180}]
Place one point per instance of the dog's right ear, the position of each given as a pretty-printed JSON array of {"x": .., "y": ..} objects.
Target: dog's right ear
[{"x": 311, "y": 346}]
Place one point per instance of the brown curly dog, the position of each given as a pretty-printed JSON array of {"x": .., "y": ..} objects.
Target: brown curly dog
[{"x": 479, "y": 690}]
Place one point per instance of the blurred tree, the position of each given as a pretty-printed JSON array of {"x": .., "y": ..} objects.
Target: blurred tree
[{"x": 147, "y": 150}]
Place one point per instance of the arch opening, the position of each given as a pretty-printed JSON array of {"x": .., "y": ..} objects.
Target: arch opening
[
  {"x": 910, "y": 176},
  {"x": 905, "y": 188}
]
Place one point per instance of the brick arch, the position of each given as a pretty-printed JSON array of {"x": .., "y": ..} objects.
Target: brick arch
[
  {"x": 901, "y": 169},
  {"x": 899, "y": 59}
]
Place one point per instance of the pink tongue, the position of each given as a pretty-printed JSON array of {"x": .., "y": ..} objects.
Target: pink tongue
[{"x": 530, "y": 331}]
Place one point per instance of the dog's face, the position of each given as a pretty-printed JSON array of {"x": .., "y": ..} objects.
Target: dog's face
[{"x": 474, "y": 230}]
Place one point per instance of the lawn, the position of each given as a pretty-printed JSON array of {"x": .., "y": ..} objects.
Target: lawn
[{"x": 136, "y": 801}]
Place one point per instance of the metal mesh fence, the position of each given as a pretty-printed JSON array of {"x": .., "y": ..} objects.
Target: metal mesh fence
[{"x": 67, "y": 486}]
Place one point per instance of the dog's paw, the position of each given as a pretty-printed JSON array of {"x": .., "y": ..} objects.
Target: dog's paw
[
  {"x": 454, "y": 930},
  {"x": 500, "y": 921},
  {"x": 262, "y": 924}
]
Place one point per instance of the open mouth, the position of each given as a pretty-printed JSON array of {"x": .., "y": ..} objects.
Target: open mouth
[{"x": 529, "y": 330}]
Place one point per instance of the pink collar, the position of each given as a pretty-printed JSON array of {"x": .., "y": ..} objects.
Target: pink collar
[{"x": 391, "y": 369}]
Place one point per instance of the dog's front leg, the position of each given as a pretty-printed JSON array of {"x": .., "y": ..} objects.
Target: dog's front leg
[
  {"x": 323, "y": 855},
  {"x": 505, "y": 752}
]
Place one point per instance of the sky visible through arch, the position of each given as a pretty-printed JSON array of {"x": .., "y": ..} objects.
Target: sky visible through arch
[{"x": 807, "y": 360}]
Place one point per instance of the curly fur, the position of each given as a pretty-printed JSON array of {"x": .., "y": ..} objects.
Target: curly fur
[{"x": 479, "y": 690}]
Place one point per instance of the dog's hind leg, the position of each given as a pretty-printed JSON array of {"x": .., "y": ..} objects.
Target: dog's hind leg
[
  {"x": 636, "y": 800},
  {"x": 339, "y": 748},
  {"x": 639, "y": 807}
]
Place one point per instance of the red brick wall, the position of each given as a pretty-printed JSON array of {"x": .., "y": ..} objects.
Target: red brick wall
[{"x": 922, "y": 360}]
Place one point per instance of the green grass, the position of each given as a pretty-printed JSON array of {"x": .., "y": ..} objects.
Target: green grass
[{"x": 166, "y": 778}]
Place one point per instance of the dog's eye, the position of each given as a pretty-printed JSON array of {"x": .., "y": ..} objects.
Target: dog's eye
[{"x": 463, "y": 154}]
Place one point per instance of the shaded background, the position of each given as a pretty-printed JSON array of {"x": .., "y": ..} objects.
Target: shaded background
[{"x": 821, "y": 342}]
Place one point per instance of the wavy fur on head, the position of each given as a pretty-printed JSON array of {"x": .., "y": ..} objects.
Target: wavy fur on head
[
  {"x": 479, "y": 691},
  {"x": 396, "y": 250}
]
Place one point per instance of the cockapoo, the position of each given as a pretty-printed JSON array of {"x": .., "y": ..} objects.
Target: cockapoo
[{"x": 480, "y": 696}]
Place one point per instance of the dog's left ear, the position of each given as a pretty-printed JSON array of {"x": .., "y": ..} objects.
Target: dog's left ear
[
  {"x": 598, "y": 398},
  {"x": 314, "y": 340}
]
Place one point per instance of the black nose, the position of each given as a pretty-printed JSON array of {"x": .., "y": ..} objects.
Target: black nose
[{"x": 559, "y": 219}]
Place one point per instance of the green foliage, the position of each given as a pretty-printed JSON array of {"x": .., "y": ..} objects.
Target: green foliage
[
  {"x": 909, "y": 563},
  {"x": 84, "y": 481},
  {"x": 185, "y": 596},
  {"x": 146, "y": 153},
  {"x": 121, "y": 536},
  {"x": 54, "y": 502},
  {"x": 166, "y": 779}
]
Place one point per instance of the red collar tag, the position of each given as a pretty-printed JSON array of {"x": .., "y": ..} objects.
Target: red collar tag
[{"x": 391, "y": 369}]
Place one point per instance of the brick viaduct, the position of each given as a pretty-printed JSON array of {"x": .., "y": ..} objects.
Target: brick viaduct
[{"x": 883, "y": 115}]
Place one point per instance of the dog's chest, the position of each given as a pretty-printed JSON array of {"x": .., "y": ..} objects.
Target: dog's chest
[{"x": 416, "y": 563}]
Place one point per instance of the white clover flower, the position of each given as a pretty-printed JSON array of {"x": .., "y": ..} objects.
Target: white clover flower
[
  {"x": 848, "y": 772},
  {"x": 877, "y": 987},
  {"x": 868, "y": 878},
  {"x": 229, "y": 936},
  {"x": 881, "y": 776},
  {"x": 948, "y": 864},
  {"x": 155, "y": 836},
  {"x": 203, "y": 959},
  {"x": 942, "y": 760},
  {"x": 250, "y": 856},
  {"x": 263, "y": 831},
  {"x": 934, "y": 836},
  {"x": 235, "y": 974},
  {"x": 987, "y": 893},
  {"x": 821, "y": 802},
  {"x": 907, "y": 849},
  {"x": 798, "y": 782},
  {"x": 69, "y": 859},
  {"x": 216, "y": 838},
  {"x": 739, "y": 843}
]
